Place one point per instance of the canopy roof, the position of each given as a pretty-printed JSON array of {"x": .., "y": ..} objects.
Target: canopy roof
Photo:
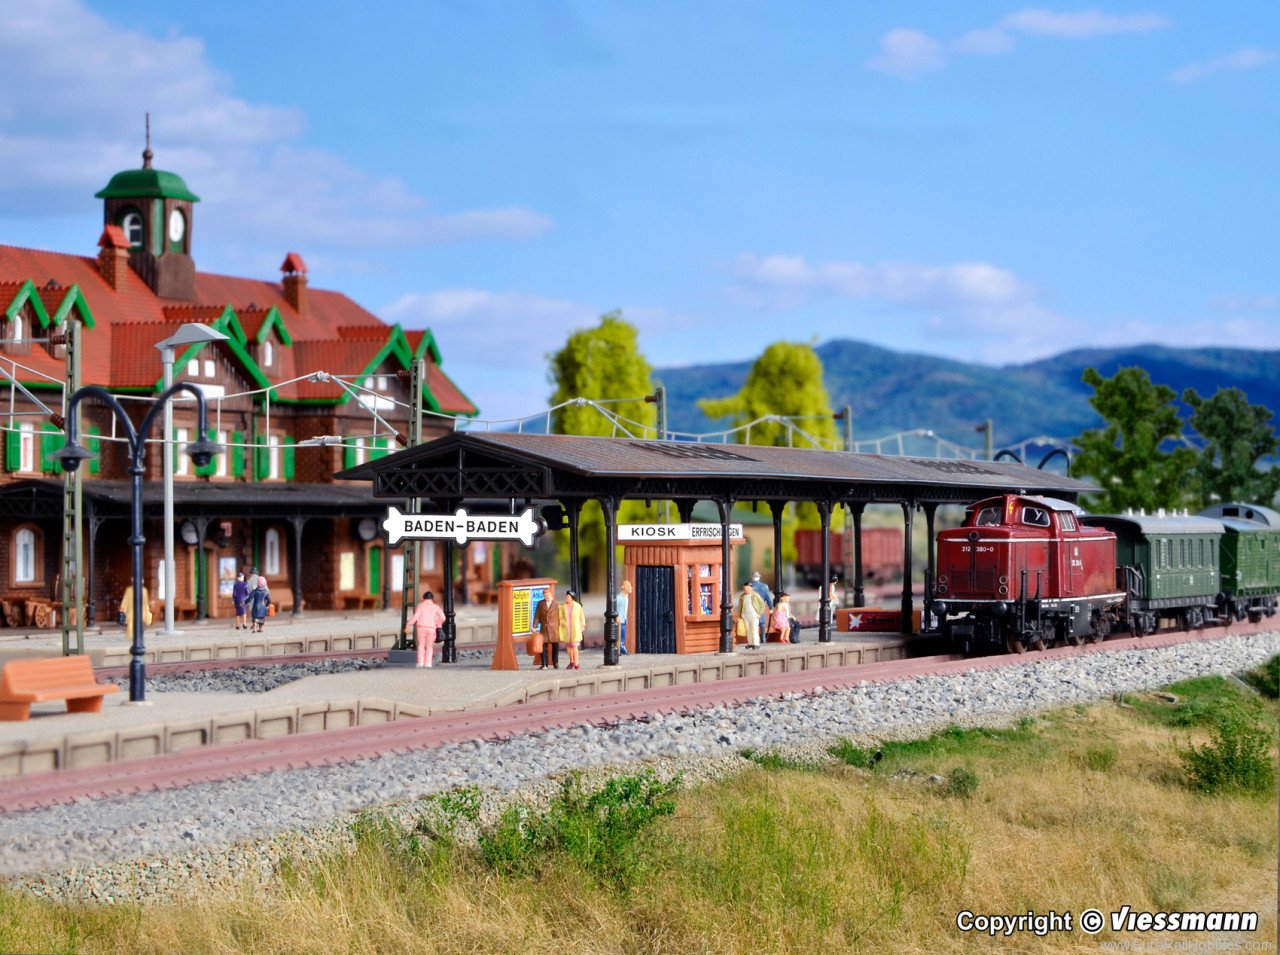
[{"x": 501, "y": 467}]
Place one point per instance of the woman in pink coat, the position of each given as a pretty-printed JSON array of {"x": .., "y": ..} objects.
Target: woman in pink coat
[{"x": 426, "y": 620}]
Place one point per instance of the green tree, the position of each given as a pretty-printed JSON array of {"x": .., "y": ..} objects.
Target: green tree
[
  {"x": 785, "y": 381},
  {"x": 603, "y": 364},
  {"x": 1125, "y": 457},
  {"x": 1237, "y": 435}
]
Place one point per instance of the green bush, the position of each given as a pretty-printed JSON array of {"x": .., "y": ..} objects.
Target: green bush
[
  {"x": 1237, "y": 757},
  {"x": 599, "y": 829},
  {"x": 1266, "y": 678},
  {"x": 960, "y": 783}
]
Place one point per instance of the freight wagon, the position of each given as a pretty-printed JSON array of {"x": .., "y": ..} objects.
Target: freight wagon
[{"x": 881, "y": 555}]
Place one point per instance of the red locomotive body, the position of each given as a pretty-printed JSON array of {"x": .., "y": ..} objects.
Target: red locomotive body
[
  {"x": 1023, "y": 570},
  {"x": 881, "y": 554}
]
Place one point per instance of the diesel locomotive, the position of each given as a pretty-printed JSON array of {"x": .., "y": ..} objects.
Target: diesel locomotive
[{"x": 1024, "y": 572}]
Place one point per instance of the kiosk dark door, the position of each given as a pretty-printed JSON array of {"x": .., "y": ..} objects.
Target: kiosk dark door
[{"x": 655, "y": 609}]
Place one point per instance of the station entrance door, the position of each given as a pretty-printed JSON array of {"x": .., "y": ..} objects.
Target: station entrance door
[{"x": 655, "y": 599}]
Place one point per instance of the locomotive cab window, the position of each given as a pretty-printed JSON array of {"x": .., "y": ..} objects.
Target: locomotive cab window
[
  {"x": 1035, "y": 516},
  {"x": 1068, "y": 521},
  {"x": 988, "y": 517}
]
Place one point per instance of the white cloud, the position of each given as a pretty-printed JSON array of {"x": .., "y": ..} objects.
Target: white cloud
[
  {"x": 1080, "y": 24},
  {"x": 907, "y": 53},
  {"x": 1248, "y": 303},
  {"x": 914, "y": 52},
  {"x": 1249, "y": 58},
  {"x": 71, "y": 114}
]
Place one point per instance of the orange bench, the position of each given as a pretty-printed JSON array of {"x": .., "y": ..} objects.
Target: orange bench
[{"x": 50, "y": 678}]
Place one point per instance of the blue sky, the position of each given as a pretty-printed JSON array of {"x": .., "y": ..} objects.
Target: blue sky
[{"x": 991, "y": 181}]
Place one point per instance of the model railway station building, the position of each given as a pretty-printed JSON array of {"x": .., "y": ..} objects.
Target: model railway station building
[{"x": 306, "y": 383}]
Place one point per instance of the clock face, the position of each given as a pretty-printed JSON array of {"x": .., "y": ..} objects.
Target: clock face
[{"x": 177, "y": 226}]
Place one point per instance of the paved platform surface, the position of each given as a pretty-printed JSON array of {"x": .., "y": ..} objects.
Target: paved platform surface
[{"x": 172, "y": 722}]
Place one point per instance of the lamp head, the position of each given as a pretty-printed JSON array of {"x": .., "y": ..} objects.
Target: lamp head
[
  {"x": 202, "y": 451},
  {"x": 71, "y": 455}
]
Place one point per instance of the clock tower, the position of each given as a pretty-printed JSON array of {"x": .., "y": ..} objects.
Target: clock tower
[{"x": 153, "y": 208}]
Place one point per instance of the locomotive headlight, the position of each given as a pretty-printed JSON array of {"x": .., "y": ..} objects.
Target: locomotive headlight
[
  {"x": 1000, "y": 608},
  {"x": 942, "y": 578},
  {"x": 941, "y": 588}
]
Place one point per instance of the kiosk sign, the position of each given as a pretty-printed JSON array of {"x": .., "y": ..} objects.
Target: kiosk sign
[
  {"x": 462, "y": 527},
  {"x": 675, "y": 532}
]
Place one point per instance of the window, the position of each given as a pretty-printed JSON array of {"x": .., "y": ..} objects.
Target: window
[
  {"x": 273, "y": 457},
  {"x": 397, "y": 572},
  {"x": 1035, "y": 516},
  {"x": 382, "y": 382},
  {"x": 210, "y": 369},
  {"x": 182, "y": 463},
  {"x": 988, "y": 517},
  {"x": 26, "y": 447},
  {"x": 362, "y": 450},
  {"x": 17, "y": 331},
  {"x": 347, "y": 571},
  {"x": 271, "y": 552},
  {"x": 131, "y": 226},
  {"x": 193, "y": 368},
  {"x": 1068, "y": 521},
  {"x": 24, "y": 556},
  {"x": 268, "y": 353},
  {"x": 222, "y": 466},
  {"x": 428, "y": 556},
  {"x": 161, "y": 580}
]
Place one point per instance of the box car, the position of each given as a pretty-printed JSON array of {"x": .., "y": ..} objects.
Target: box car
[{"x": 881, "y": 554}]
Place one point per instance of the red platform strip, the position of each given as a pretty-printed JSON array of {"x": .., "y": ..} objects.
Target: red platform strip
[{"x": 225, "y": 761}]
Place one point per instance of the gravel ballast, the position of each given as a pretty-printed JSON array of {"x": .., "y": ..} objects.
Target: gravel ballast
[{"x": 164, "y": 845}]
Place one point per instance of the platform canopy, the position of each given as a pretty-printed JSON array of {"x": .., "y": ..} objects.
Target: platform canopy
[{"x": 468, "y": 466}]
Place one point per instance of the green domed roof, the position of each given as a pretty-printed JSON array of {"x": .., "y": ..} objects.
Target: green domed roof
[{"x": 147, "y": 183}]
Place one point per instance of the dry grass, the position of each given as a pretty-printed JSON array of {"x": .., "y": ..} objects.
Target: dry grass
[{"x": 1088, "y": 810}]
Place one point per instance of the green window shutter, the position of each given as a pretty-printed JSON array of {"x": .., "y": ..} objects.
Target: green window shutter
[
  {"x": 237, "y": 453},
  {"x": 12, "y": 450},
  {"x": 212, "y": 466},
  {"x": 288, "y": 458},
  {"x": 94, "y": 446},
  {"x": 261, "y": 459},
  {"x": 348, "y": 456},
  {"x": 51, "y": 439}
]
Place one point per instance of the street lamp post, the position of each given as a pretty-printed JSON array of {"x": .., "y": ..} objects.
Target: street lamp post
[
  {"x": 191, "y": 333},
  {"x": 201, "y": 451}
]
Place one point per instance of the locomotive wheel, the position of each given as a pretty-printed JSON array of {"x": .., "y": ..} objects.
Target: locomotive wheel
[
  {"x": 1014, "y": 645},
  {"x": 1037, "y": 643},
  {"x": 1073, "y": 639},
  {"x": 1254, "y": 615}
]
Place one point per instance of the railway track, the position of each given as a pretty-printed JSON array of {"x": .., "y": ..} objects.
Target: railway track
[{"x": 226, "y": 761}]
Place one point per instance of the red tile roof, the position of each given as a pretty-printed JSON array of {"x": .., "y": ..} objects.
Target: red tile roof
[{"x": 333, "y": 334}]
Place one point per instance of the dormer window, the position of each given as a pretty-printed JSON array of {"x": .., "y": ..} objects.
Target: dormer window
[
  {"x": 268, "y": 353},
  {"x": 131, "y": 225},
  {"x": 209, "y": 368},
  {"x": 193, "y": 368},
  {"x": 382, "y": 382},
  {"x": 17, "y": 330}
]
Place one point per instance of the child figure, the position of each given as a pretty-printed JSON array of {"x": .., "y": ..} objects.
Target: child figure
[{"x": 782, "y": 617}]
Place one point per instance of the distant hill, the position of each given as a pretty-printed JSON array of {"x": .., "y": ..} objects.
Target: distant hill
[{"x": 893, "y": 391}]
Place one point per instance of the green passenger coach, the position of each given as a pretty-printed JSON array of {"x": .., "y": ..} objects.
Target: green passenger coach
[
  {"x": 1169, "y": 565},
  {"x": 1250, "y": 559}
]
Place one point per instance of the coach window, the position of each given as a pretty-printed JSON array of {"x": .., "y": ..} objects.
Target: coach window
[{"x": 26, "y": 542}]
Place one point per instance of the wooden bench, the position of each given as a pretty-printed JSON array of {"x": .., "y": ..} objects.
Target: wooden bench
[
  {"x": 353, "y": 601},
  {"x": 50, "y": 678}
]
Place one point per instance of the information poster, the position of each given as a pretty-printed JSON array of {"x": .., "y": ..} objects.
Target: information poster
[
  {"x": 524, "y": 608},
  {"x": 521, "y": 612},
  {"x": 226, "y": 576}
]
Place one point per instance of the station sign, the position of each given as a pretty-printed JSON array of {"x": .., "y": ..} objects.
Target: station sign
[
  {"x": 462, "y": 527},
  {"x": 657, "y": 533}
]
